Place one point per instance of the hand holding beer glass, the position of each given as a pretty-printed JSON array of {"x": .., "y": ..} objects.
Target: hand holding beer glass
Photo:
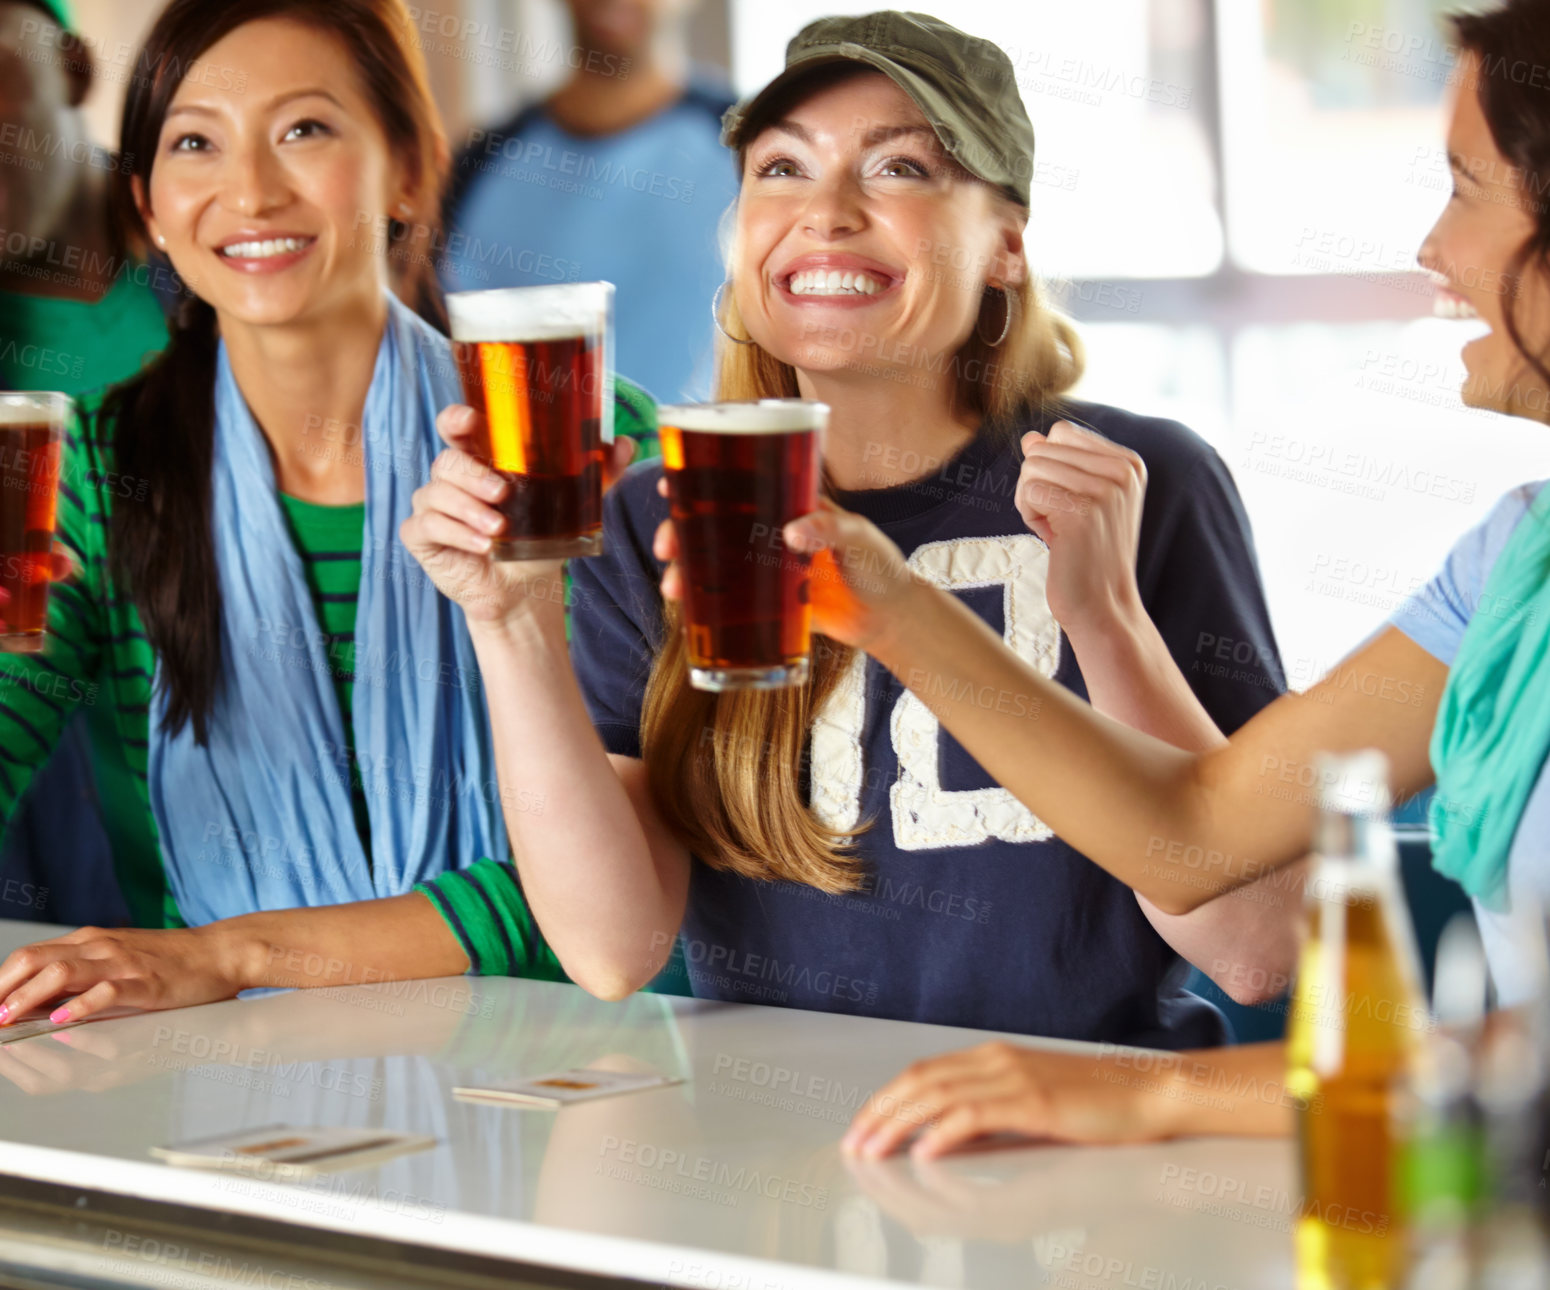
[
  {"x": 32, "y": 428},
  {"x": 736, "y": 473},
  {"x": 535, "y": 362}
]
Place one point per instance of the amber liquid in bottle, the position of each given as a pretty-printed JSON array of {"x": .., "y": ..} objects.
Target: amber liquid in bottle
[{"x": 1357, "y": 1021}]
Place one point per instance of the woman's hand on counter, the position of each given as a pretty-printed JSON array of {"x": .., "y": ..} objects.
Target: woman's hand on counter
[
  {"x": 96, "y": 968},
  {"x": 1117, "y": 1095},
  {"x": 1003, "y": 1088}
]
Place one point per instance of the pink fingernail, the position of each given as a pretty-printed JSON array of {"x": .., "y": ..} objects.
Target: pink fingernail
[
  {"x": 4, "y": 1013},
  {"x": 59, "y": 1014}
]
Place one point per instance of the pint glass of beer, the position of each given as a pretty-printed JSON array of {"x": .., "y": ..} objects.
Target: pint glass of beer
[
  {"x": 736, "y": 473},
  {"x": 535, "y": 361},
  {"x": 32, "y": 427}
]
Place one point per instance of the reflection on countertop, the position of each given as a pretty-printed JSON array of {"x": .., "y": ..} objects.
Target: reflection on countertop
[{"x": 735, "y": 1170}]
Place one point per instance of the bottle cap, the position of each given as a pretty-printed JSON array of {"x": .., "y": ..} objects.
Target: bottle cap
[{"x": 1354, "y": 783}]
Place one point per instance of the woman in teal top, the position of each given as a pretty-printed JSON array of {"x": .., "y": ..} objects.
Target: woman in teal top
[
  {"x": 1452, "y": 691},
  {"x": 245, "y": 614}
]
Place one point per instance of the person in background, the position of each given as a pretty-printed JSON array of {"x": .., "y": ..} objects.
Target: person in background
[
  {"x": 619, "y": 175},
  {"x": 78, "y": 312},
  {"x": 827, "y": 846},
  {"x": 296, "y": 711}
]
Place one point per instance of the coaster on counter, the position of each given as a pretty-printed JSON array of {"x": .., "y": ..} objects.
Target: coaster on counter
[
  {"x": 284, "y": 1151},
  {"x": 549, "y": 1092}
]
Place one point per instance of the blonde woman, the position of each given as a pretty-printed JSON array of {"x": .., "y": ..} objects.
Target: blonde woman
[{"x": 828, "y": 847}]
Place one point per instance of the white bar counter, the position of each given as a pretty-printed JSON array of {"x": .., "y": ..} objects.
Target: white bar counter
[{"x": 731, "y": 1181}]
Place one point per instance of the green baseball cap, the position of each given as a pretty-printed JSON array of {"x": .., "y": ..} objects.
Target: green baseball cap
[{"x": 965, "y": 87}]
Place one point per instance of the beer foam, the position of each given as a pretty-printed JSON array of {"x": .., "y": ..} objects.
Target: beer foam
[
  {"x": 32, "y": 409},
  {"x": 530, "y": 313},
  {"x": 766, "y": 416}
]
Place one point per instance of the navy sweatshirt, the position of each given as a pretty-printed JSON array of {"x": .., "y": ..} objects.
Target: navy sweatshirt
[{"x": 972, "y": 913}]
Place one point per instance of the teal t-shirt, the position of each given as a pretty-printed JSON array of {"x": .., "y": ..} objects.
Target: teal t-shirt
[{"x": 75, "y": 346}]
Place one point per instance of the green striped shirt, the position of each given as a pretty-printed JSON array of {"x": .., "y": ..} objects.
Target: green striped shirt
[
  {"x": 98, "y": 659},
  {"x": 329, "y": 540}
]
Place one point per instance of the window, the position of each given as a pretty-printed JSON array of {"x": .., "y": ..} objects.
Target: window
[
  {"x": 1117, "y": 111},
  {"x": 1332, "y": 126}
]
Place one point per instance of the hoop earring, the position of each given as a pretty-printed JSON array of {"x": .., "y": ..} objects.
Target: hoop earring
[
  {"x": 1006, "y": 317},
  {"x": 715, "y": 316}
]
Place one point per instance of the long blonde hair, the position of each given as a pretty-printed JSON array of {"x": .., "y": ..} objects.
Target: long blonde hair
[{"x": 726, "y": 769}]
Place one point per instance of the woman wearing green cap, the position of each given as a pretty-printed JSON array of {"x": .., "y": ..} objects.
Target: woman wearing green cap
[{"x": 829, "y": 847}]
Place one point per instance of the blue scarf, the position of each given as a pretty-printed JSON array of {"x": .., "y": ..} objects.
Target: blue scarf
[
  {"x": 1493, "y": 722},
  {"x": 261, "y": 817}
]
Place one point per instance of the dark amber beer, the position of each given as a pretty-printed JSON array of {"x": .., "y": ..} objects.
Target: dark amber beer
[
  {"x": 31, "y": 429},
  {"x": 534, "y": 360},
  {"x": 736, "y": 473}
]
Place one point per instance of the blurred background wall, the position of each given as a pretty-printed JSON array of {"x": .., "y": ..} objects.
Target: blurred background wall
[{"x": 1228, "y": 196}]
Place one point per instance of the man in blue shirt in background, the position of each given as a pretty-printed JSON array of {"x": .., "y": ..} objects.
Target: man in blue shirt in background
[{"x": 619, "y": 175}]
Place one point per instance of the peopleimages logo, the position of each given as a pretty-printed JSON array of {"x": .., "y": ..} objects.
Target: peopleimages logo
[
  {"x": 450, "y": 34},
  {"x": 184, "y": 1262},
  {"x": 1236, "y": 1198},
  {"x": 538, "y": 162},
  {"x": 666, "y": 1169},
  {"x": 758, "y": 975},
  {"x": 82, "y": 152},
  {"x": 787, "y": 1079},
  {"x": 39, "y": 359}
]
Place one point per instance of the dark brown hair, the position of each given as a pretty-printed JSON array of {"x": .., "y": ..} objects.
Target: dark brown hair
[
  {"x": 1511, "y": 44},
  {"x": 161, "y": 551}
]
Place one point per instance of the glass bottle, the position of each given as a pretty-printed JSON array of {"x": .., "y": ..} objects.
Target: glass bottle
[{"x": 1356, "y": 1023}]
